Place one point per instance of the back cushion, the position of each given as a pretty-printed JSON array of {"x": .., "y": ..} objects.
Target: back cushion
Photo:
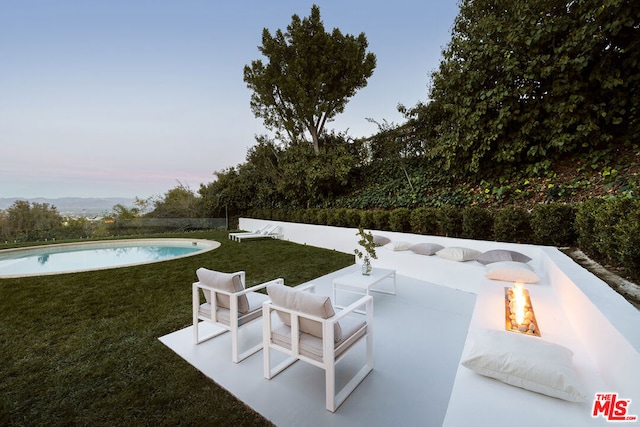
[
  {"x": 229, "y": 282},
  {"x": 307, "y": 303}
]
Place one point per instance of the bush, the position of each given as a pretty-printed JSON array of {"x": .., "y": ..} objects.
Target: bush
[
  {"x": 512, "y": 224},
  {"x": 553, "y": 224},
  {"x": 627, "y": 234},
  {"x": 449, "y": 221},
  {"x": 477, "y": 223},
  {"x": 400, "y": 220},
  {"x": 352, "y": 218},
  {"x": 585, "y": 225},
  {"x": 381, "y": 219},
  {"x": 366, "y": 219},
  {"x": 337, "y": 217},
  {"x": 322, "y": 216},
  {"x": 423, "y": 220}
]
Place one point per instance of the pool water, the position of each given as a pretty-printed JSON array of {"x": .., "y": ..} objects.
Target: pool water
[{"x": 66, "y": 258}]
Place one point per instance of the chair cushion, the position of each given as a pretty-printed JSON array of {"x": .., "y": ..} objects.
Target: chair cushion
[
  {"x": 397, "y": 246},
  {"x": 458, "y": 254},
  {"x": 353, "y": 328},
  {"x": 511, "y": 271},
  {"x": 228, "y": 282},
  {"x": 524, "y": 362},
  {"x": 306, "y": 303},
  {"x": 426, "y": 248},
  {"x": 380, "y": 240},
  {"x": 497, "y": 255}
]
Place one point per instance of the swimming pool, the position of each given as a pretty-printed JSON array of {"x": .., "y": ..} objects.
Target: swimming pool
[{"x": 98, "y": 255}]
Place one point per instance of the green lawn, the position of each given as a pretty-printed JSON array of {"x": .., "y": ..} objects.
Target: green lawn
[{"x": 83, "y": 349}]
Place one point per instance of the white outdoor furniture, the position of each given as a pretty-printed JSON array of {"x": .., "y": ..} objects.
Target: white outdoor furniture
[
  {"x": 361, "y": 282},
  {"x": 321, "y": 337},
  {"x": 269, "y": 232},
  {"x": 233, "y": 236},
  {"x": 227, "y": 305}
]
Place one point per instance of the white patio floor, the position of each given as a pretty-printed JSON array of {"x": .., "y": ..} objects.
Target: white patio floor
[{"x": 419, "y": 334}]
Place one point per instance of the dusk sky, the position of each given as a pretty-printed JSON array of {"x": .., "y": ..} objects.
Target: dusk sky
[{"x": 129, "y": 98}]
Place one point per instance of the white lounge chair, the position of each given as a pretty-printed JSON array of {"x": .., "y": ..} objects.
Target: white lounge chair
[
  {"x": 321, "y": 336},
  {"x": 270, "y": 232},
  {"x": 227, "y": 305},
  {"x": 233, "y": 236}
]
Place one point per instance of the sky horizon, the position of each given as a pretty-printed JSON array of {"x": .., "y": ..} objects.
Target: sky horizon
[{"x": 133, "y": 98}]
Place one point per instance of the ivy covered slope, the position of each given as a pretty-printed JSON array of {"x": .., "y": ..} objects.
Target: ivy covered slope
[{"x": 571, "y": 179}]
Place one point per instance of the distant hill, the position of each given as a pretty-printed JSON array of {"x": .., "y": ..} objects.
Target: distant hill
[{"x": 75, "y": 205}]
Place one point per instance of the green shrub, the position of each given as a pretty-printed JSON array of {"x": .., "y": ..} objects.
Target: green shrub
[
  {"x": 352, "y": 218},
  {"x": 477, "y": 223},
  {"x": 585, "y": 225},
  {"x": 511, "y": 224},
  {"x": 297, "y": 215},
  {"x": 449, "y": 221},
  {"x": 400, "y": 220},
  {"x": 336, "y": 217},
  {"x": 310, "y": 216},
  {"x": 322, "y": 216},
  {"x": 627, "y": 233},
  {"x": 424, "y": 220},
  {"x": 381, "y": 219},
  {"x": 366, "y": 219},
  {"x": 553, "y": 224}
]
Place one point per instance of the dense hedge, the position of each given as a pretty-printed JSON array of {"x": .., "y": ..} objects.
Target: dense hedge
[{"x": 606, "y": 229}]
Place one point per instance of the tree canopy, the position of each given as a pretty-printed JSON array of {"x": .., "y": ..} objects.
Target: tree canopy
[
  {"x": 309, "y": 77},
  {"x": 526, "y": 82}
]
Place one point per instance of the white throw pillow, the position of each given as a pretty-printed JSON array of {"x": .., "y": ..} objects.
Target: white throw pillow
[
  {"x": 511, "y": 271},
  {"x": 458, "y": 254},
  {"x": 307, "y": 303},
  {"x": 380, "y": 240},
  {"x": 398, "y": 246},
  {"x": 229, "y": 282},
  {"x": 497, "y": 255},
  {"x": 525, "y": 362},
  {"x": 426, "y": 248}
]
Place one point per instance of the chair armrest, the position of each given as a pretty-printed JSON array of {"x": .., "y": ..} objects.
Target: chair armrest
[
  {"x": 261, "y": 286},
  {"x": 366, "y": 300},
  {"x": 307, "y": 287}
]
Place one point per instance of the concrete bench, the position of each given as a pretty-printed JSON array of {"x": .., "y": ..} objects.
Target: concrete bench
[{"x": 573, "y": 307}]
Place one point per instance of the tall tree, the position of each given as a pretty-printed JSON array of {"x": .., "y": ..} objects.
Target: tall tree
[{"x": 309, "y": 77}]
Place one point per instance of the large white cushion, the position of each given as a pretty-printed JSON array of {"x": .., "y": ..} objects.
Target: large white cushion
[
  {"x": 397, "y": 245},
  {"x": 228, "y": 282},
  {"x": 426, "y": 248},
  {"x": 496, "y": 255},
  {"x": 511, "y": 271},
  {"x": 525, "y": 362},
  {"x": 307, "y": 303},
  {"x": 458, "y": 254},
  {"x": 380, "y": 240}
]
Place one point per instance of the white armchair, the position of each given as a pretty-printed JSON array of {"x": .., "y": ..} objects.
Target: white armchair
[
  {"x": 227, "y": 305},
  {"x": 321, "y": 337}
]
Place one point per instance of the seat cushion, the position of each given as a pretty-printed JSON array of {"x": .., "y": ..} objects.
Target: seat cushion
[
  {"x": 353, "y": 328},
  {"x": 497, "y": 255},
  {"x": 228, "y": 282},
  {"x": 255, "y": 310},
  {"x": 306, "y": 303}
]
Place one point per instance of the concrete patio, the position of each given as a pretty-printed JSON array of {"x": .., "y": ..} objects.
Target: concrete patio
[
  {"x": 415, "y": 363},
  {"x": 421, "y": 333}
]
